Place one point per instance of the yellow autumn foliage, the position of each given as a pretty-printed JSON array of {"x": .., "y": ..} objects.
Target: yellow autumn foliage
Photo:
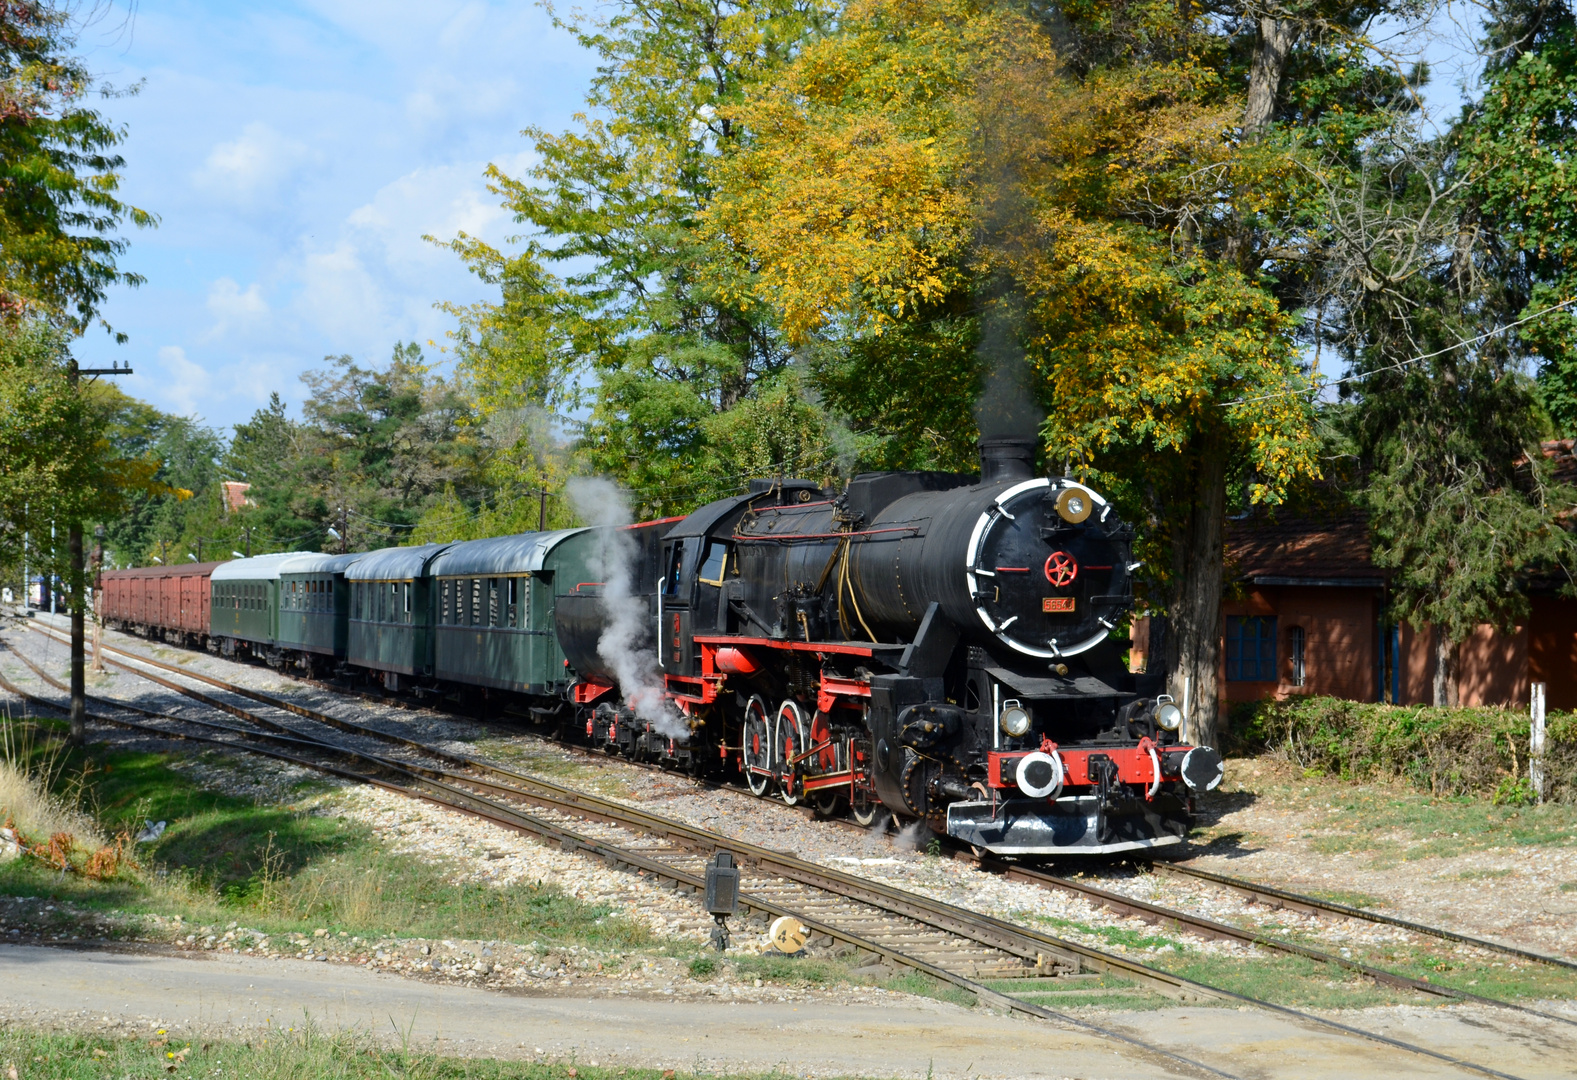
[{"x": 934, "y": 148}]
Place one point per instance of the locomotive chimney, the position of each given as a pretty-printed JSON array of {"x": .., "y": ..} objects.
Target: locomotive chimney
[{"x": 1007, "y": 458}]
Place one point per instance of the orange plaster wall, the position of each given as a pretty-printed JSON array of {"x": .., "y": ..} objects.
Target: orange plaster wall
[
  {"x": 1492, "y": 667},
  {"x": 1340, "y": 647}
]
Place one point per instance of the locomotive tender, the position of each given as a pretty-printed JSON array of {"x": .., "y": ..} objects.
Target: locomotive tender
[{"x": 943, "y": 646}]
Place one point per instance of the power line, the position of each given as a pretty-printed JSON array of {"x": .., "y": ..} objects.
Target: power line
[{"x": 1399, "y": 365}]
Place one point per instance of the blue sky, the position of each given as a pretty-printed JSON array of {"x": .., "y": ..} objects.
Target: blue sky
[{"x": 296, "y": 153}]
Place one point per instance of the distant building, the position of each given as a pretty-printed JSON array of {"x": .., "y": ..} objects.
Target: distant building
[
  {"x": 1306, "y": 613},
  {"x": 235, "y": 495}
]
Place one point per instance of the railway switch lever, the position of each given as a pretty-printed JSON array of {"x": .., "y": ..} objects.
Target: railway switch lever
[{"x": 722, "y": 894}]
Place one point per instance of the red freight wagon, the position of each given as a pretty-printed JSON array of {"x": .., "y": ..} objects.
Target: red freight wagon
[{"x": 169, "y": 602}]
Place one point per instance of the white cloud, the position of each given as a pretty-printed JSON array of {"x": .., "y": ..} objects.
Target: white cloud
[
  {"x": 184, "y": 383},
  {"x": 341, "y": 297},
  {"x": 251, "y": 170},
  {"x": 234, "y": 310}
]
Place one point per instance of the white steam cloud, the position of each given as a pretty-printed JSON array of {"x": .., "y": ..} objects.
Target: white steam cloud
[{"x": 600, "y": 503}]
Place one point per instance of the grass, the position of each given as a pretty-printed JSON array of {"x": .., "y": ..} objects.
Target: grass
[
  {"x": 32, "y": 773},
  {"x": 548, "y": 761},
  {"x": 1349, "y": 897},
  {"x": 1286, "y": 980},
  {"x": 287, "y": 1055},
  {"x": 1302, "y": 983},
  {"x": 1118, "y": 994},
  {"x": 288, "y": 869},
  {"x": 1387, "y": 821}
]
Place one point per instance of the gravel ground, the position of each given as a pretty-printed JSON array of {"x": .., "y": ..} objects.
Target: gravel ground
[{"x": 1525, "y": 906}]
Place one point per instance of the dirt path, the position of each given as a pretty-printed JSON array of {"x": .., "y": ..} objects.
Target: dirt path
[{"x": 135, "y": 993}]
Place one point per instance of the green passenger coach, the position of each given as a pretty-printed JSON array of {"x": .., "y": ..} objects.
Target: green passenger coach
[
  {"x": 494, "y": 608},
  {"x": 314, "y": 607},
  {"x": 391, "y": 612},
  {"x": 243, "y": 604}
]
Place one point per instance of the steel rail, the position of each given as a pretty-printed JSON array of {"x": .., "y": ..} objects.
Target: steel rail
[
  {"x": 981, "y": 928},
  {"x": 1211, "y": 928},
  {"x": 456, "y": 798},
  {"x": 1272, "y": 896}
]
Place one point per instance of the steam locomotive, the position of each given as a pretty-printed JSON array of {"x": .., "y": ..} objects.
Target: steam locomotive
[{"x": 942, "y": 647}]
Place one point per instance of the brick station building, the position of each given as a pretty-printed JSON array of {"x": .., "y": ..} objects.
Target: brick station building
[{"x": 1306, "y": 613}]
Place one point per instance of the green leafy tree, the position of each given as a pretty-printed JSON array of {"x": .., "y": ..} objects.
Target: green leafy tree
[
  {"x": 266, "y": 452},
  {"x": 58, "y": 463},
  {"x": 1447, "y": 255},
  {"x": 378, "y": 446},
  {"x": 649, "y": 320},
  {"x": 60, "y": 213}
]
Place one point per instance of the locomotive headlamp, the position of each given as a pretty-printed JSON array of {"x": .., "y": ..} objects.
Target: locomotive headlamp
[
  {"x": 1074, "y": 505},
  {"x": 1169, "y": 716},
  {"x": 1015, "y": 718}
]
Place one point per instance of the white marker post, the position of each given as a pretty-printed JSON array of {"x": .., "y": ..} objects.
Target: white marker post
[{"x": 1536, "y": 743}]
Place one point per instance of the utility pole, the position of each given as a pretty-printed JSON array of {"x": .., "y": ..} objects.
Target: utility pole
[
  {"x": 542, "y": 511},
  {"x": 199, "y": 549},
  {"x": 79, "y": 688},
  {"x": 249, "y": 541},
  {"x": 344, "y": 529},
  {"x": 98, "y": 599}
]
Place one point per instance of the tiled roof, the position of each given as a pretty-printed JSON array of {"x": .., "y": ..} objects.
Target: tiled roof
[
  {"x": 1562, "y": 454},
  {"x": 1332, "y": 548}
]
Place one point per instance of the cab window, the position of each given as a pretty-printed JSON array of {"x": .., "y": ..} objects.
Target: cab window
[
  {"x": 715, "y": 564},
  {"x": 675, "y": 564}
]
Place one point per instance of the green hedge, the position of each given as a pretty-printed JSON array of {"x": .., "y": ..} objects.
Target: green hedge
[{"x": 1482, "y": 752}]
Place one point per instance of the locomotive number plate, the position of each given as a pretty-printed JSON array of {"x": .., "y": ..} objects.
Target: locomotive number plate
[{"x": 1057, "y": 603}]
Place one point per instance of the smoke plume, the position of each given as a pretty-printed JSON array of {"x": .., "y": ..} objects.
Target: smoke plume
[
  {"x": 602, "y": 505},
  {"x": 1007, "y": 404}
]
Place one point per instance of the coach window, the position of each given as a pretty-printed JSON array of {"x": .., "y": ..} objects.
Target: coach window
[
  {"x": 514, "y": 600},
  {"x": 492, "y": 601},
  {"x": 476, "y": 601},
  {"x": 1295, "y": 641},
  {"x": 407, "y": 590}
]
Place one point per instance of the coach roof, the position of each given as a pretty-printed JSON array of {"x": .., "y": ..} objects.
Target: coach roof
[
  {"x": 321, "y": 564},
  {"x": 522, "y": 553},
  {"x": 394, "y": 564},
  {"x": 257, "y": 568}
]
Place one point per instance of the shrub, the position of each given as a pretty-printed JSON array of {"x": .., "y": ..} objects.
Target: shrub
[{"x": 1445, "y": 751}]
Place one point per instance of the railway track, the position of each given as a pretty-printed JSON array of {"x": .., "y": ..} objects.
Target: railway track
[
  {"x": 1200, "y": 926},
  {"x": 955, "y": 945}
]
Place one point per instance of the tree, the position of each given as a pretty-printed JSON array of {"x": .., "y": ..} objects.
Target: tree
[
  {"x": 944, "y": 187},
  {"x": 1448, "y": 256},
  {"x": 59, "y": 211},
  {"x": 267, "y": 453},
  {"x": 59, "y": 215},
  {"x": 57, "y": 462},
  {"x": 380, "y": 445},
  {"x": 647, "y": 322}
]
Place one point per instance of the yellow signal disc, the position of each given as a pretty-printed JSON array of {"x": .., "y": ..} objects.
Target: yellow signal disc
[{"x": 788, "y": 935}]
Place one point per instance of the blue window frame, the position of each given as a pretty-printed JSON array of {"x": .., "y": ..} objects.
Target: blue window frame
[{"x": 1251, "y": 648}]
